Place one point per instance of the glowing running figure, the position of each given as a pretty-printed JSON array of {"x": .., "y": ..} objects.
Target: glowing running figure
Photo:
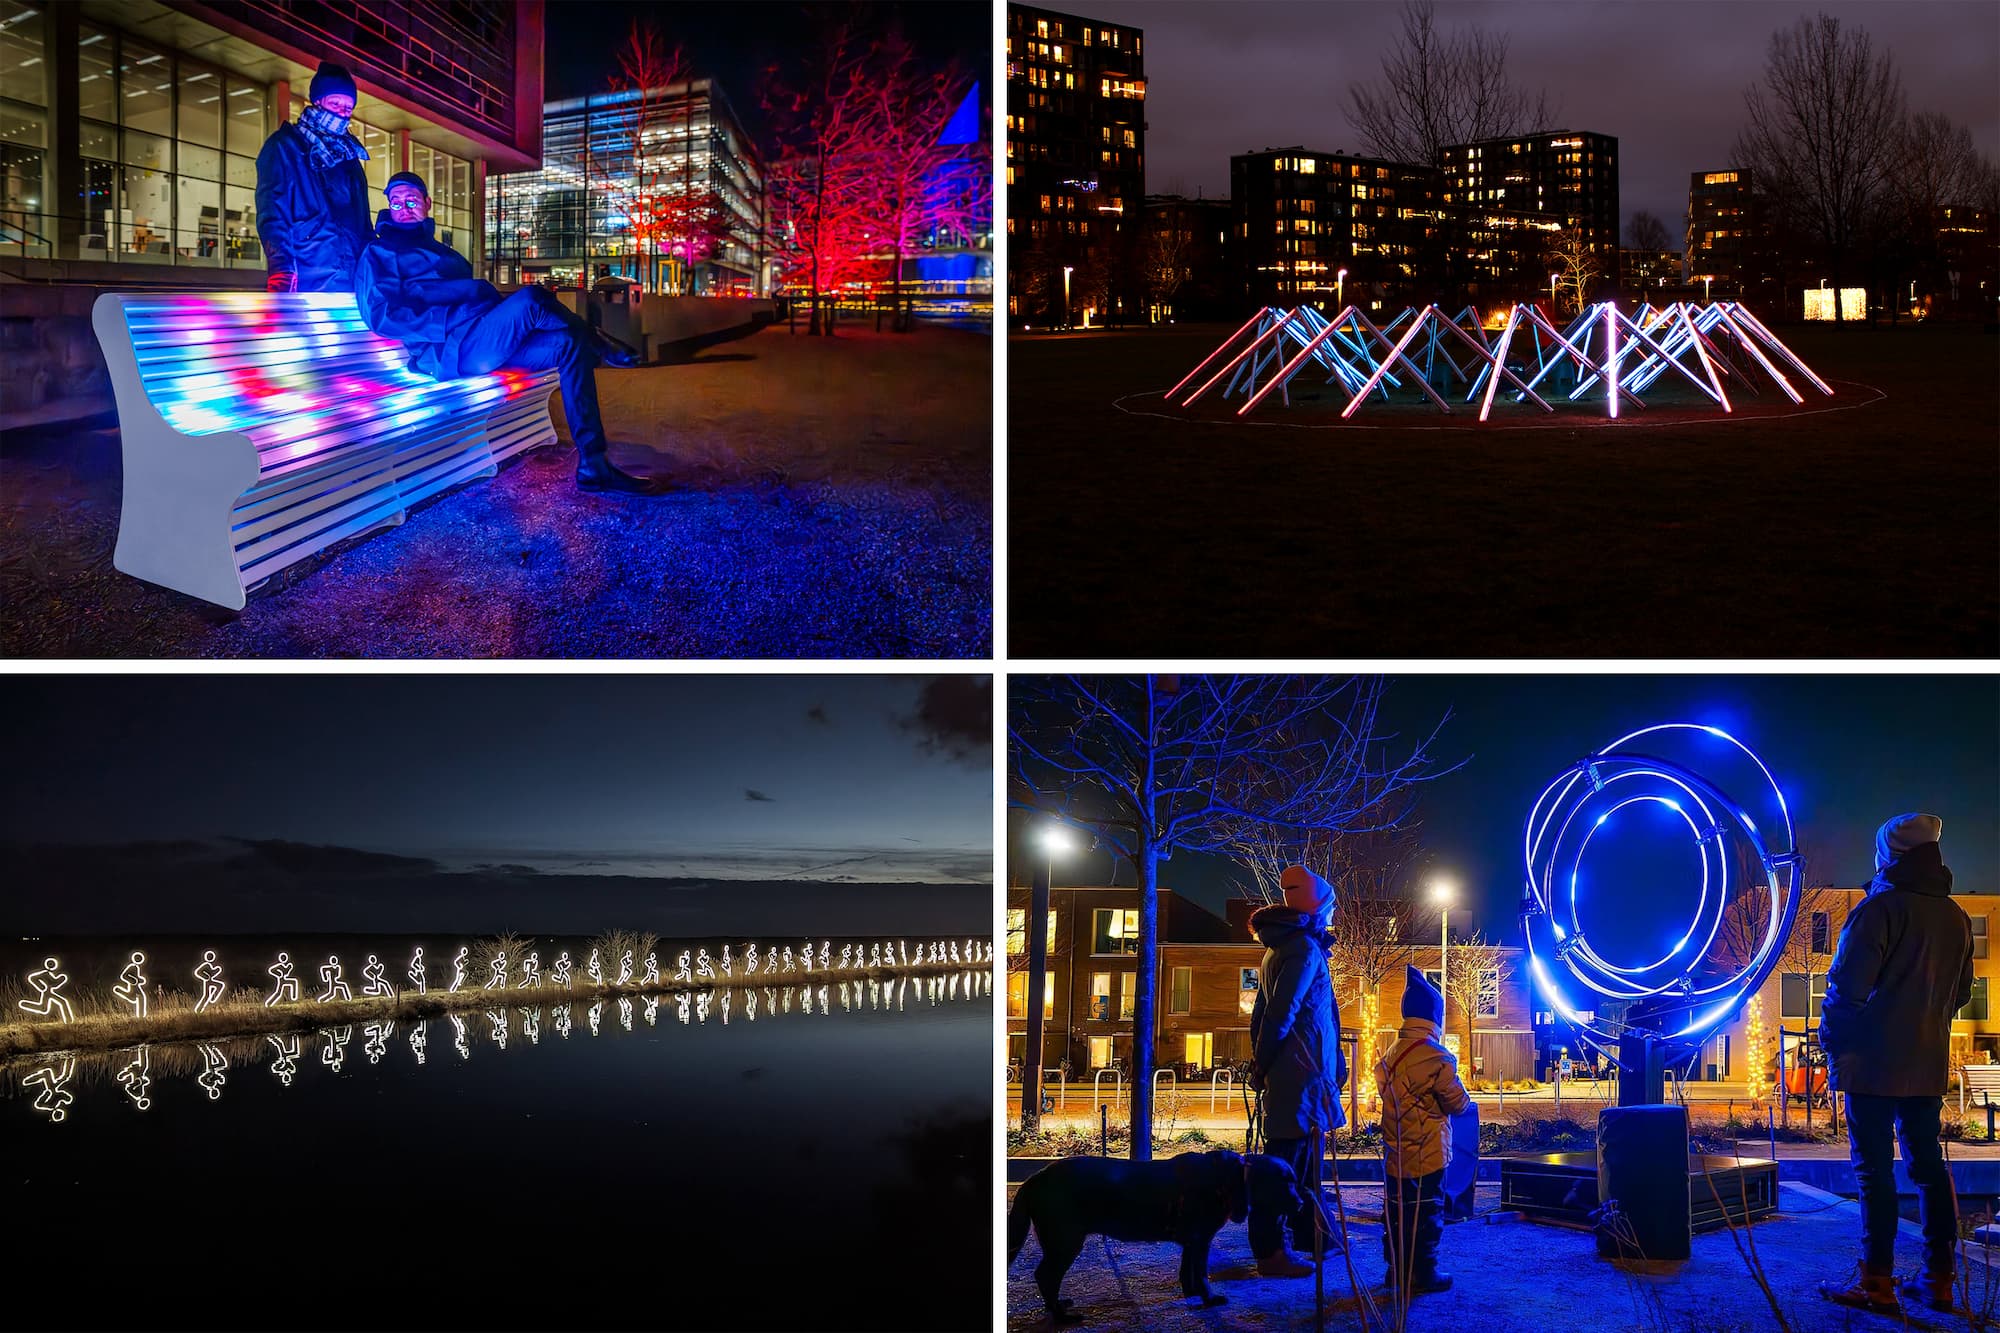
[
  {"x": 845, "y": 951},
  {"x": 750, "y": 960},
  {"x": 138, "y": 1079},
  {"x": 334, "y": 1053},
  {"x": 625, "y": 968},
  {"x": 50, "y": 1078},
  {"x": 788, "y": 958},
  {"x": 209, "y": 974},
  {"x": 806, "y": 956},
  {"x": 378, "y": 984},
  {"x": 498, "y": 979},
  {"x": 701, "y": 965},
  {"x": 288, "y": 985},
  {"x": 874, "y": 955},
  {"x": 726, "y": 966},
  {"x": 215, "y": 1071},
  {"x": 561, "y": 973},
  {"x": 288, "y": 1055},
  {"x": 131, "y": 987},
  {"x": 954, "y": 951},
  {"x": 682, "y": 970},
  {"x": 329, "y": 973},
  {"x": 903, "y": 951},
  {"x": 531, "y": 971},
  {"x": 458, "y": 968},
  {"x": 652, "y": 976},
  {"x": 48, "y": 984},
  {"x": 825, "y": 954},
  {"x": 594, "y": 971},
  {"x": 418, "y": 975}
]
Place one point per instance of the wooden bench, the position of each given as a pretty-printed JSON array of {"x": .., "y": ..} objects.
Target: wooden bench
[
  {"x": 260, "y": 428},
  {"x": 1980, "y": 1080}
]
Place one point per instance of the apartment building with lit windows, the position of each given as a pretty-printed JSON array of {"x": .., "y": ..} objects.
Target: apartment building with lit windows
[
  {"x": 1300, "y": 217},
  {"x": 1569, "y": 176},
  {"x": 1076, "y": 163},
  {"x": 1728, "y": 251}
]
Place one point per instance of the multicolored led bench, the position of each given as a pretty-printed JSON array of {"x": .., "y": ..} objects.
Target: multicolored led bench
[{"x": 260, "y": 428}]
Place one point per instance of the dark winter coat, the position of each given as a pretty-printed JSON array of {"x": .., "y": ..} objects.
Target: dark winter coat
[
  {"x": 1904, "y": 967},
  {"x": 421, "y": 292},
  {"x": 1295, "y": 1026},
  {"x": 313, "y": 222}
]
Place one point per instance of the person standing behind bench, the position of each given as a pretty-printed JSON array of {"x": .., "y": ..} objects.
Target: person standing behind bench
[
  {"x": 312, "y": 193},
  {"x": 1904, "y": 967},
  {"x": 420, "y": 292}
]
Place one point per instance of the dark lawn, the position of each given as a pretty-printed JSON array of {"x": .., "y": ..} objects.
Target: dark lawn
[
  {"x": 1150, "y": 531},
  {"x": 837, "y": 503}
]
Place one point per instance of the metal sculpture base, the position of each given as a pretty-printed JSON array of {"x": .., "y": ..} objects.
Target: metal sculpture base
[
  {"x": 1561, "y": 1187},
  {"x": 1642, "y": 1075}
]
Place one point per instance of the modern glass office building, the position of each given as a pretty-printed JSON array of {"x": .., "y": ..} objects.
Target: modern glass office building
[
  {"x": 603, "y": 157},
  {"x": 129, "y": 129}
]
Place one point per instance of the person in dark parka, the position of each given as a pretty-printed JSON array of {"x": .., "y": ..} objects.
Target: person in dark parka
[
  {"x": 1295, "y": 1046},
  {"x": 1903, "y": 968},
  {"x": 421, "y": 292},
  {"x": 312, "y": 193}
]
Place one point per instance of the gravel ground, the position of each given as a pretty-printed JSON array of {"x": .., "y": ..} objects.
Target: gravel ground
[
  {"x": 836, "y": 502},
  {"x": 1510, "y": 1276}
]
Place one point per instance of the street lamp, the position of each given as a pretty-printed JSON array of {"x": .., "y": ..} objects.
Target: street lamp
[
  {"x": 1441, "y": 894},
  {"x": 1552, "y": 291},
  {"x": 1055, "y": 841},
  {"x": 1705, "y": 280},
  {"x": 1067, "y": 270},
  {"x": 1340, "y": 289}
]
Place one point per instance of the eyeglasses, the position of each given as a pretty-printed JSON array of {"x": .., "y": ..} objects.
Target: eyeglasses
[{"x": 407, "y": 205}]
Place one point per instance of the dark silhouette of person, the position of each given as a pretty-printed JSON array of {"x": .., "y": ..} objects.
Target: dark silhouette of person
[
  {"x": 421, "y": 292},
  {"x": 312, "y": 193},
  {"x": 1903, "y": 968}
]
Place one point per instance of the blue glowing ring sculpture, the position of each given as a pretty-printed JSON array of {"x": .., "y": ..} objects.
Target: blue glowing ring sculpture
[{"x": 1678, "y": 999}]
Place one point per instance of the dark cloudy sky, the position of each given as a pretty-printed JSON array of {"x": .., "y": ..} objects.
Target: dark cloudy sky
[
  {"x": 1849, "y": 751},
  {"x": 1666, "y": 78},
  {"x": 746, "y": 777}
]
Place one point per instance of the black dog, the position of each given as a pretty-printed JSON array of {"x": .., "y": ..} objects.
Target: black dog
[{"x": 1185, "y": 1199}]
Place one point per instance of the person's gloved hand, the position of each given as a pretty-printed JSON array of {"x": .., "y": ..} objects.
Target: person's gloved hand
[{"x": 281, "y": 282}]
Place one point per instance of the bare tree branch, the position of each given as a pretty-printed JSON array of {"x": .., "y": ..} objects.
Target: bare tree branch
[{"x": 1441, "y": 88}]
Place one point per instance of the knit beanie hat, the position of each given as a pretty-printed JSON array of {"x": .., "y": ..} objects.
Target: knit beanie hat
[
  {"x": 1904, "y": 833},
  {"x": 1420, "y": 998},
  {"x": 1307, "y": 892},
  {"x": 330, "y": 79},
  {"x": 406, "y": 178}
]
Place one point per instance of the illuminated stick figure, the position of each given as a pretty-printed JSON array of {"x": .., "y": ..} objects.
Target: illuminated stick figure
[
  {"x": 131, "y": 987},
  {"x": 845, "y": 951},
  {"x": 377, "y": 1044},
  {"x": 701, "y": 1006},
  {"x": 458, "y": 968},
  {"x": 531, "y": 971},
  {"x": 138, "y": 1079},
  {"x": 209, "y": 974},
  {"x": 888, "y": 953},
  {"x": 329, "y": 973},
  {"x": 625, "y": 968},
  {"x": 681, "y": 1006},
  {"x": 682, "y": 970},
  {"x": 50, "y": 1078},
  {"x": 903, "y": 951},
  {"x": 652, "y": 977},
  {"x": 531, "y": 1026},
  {"x": 458, "y": 1038},
  {"x": 561, "y": 973},
  {"x": 788, "y": 958},
  {"x": 420, "y": 1039},
  {"x": 595, "y": 1012},
  {"x": 48, "y": 984},
  {"x": 378, "y": 985},
  {"x": 625, "y": 1012},
  {"x": 288, "y": 1054},
  {"x": 288, "y": 985},
  {"x": 726, "y": 966},
  {"x": 750, "y": 1006},
  {"x": 419, "y": 976},
  {"x": 334, "y": 1053},
  {"x": 214, "y": 1072},
  {"x": 750, "y": 960},
  {"x": 702, "y": 967},
  {"x": 725, "y": 1008},
  {"x": 954, "y": 951},
  {"x": 498, "y": 978},
  {"x": 825, "y": 953},
  {"x": 594, "y": 971},
  {"x": 652, "y": 1011},
  {"x": 497, "y": 1018},
  {"x": 806, "y": 956},
  {"x": 874, "y": 955},
  {"x": 563, "y": 1021}
]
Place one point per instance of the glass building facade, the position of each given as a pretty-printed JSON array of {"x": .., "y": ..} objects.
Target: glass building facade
[
  {"x": 604, "y": 153},
  {"x": 169, "y": 106}
]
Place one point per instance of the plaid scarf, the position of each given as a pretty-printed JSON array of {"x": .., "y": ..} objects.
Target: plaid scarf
[{"x": 331, "y": 143}]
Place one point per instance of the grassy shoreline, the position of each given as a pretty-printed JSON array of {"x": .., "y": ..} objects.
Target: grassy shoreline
[{"x": 244, "y": 1014}]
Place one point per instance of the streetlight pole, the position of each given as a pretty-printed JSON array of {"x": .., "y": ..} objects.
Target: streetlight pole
[
  {"x": 1552, "y": 293},
  {"x": 1054, "y": 841},
  {"x": 1340, "y": 290},
  {"x": 1441, "y": 891},
  {"x": 1067, "y": 270}
]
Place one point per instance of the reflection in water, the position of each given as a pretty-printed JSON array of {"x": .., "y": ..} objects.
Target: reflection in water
[
  {"x": 420, "y": 1040},
  {"x": 335, "y": 1050},
  {"x": 377, "y": 1039},
  {"x": 496, "y": 1019},
  {"x": 137, "y": 1078},
  {"x": 652, "y": 1010},
  {"x": 625, "y": 1012},
  {"x": 215, "y": 1070},
  {"x": 531, "y": 1025},
  {"x": 458, "y": 1026},
  {"x": 595, "y": 1012},
  {"x": 286, "y": 1064},
  {"x": 562, "y": 1021},
  {"x": 54, "y": 1098}
]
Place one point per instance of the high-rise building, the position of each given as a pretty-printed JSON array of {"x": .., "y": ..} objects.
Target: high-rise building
[
  {"x": 1301, "y": 217},
  {"x": 1076, "y": 164},
  {"x": 1571, "y": 175},
  {"x": 1187, "y": 258},
  {"x": 1726, "y": 245},
  {"x": 129, "y": 132},
  {"x": 610, "y": 155},
  {"x": 1643, "y": 271}
]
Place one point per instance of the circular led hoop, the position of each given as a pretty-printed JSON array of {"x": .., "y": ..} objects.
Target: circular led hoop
[{"x": 1672, "y": 1006}]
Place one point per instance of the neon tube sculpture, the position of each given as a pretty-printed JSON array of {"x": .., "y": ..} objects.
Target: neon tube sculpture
[
  {"x": 750, "y": 959},
  {"x": 131, "y": 987},
  {"x": 652, "y": 974},
  {"x": 288, "y": 985},
  {"x": 702, "y": 967},
  {"x": 458, "y": 967},
  {"x": 420, "y": 1040},
  {"x": 378, "y": 985},
  {"x": 137, "y": 1079},
  {"x": 330, "y": 976},
  {"x": 806, "y": 956},
  {"x": 625, "y": 967},
  {"x": 497, "y": 969},
  {"x": 725, "y": 963},
  {"x": 54, "y": 1099},
  {"x": 1678, "y": 999},
  {"x": 214, "y": 1071},
  {"x": 48, "y": 982},
  {"x": 286, "y": 1064},
  {"x": 531, "y": 971},
  {"x": 788, "y": 958},
  {"x": 209, "y": 974},
  {"x": 561, "y": 973},
  {"x": 684, "y": 967},
  {"x": 417, "y": 972},
  {"x": 594, "y": 970}
]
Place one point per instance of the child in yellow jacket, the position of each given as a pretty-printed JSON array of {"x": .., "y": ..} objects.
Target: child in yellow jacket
[{"x": 1418, "y": 1082}]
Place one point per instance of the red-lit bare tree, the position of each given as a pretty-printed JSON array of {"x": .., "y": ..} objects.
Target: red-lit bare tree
[{"x": 1153, "y": 765}]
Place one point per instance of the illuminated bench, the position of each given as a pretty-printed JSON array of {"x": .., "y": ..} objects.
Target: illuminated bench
[{"x": 259, "y": 429}]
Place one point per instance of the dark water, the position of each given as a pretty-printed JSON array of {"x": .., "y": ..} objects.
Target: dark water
[{"x": 824, "y": 1164}]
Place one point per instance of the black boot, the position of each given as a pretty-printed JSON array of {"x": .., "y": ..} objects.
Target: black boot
[
  {"x": 614, "y": 353},
  {"x": 595, "y": 472}
]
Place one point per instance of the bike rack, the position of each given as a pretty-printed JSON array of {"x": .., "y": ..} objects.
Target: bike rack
[
  {"x": 1118, "y": 1085},
  {"x": 1173, "y": 1080},
  {"x": 1062, "y": 1086},
  {"x": 1215, "y": 1081}
]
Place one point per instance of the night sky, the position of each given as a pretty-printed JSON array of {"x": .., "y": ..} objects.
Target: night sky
[
  {"x": 327, "y": 780},
  {"x": 1666, "y": 79},
  {"x": 1850, "y": 751},
  {"x": 735, "y": 43}
]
